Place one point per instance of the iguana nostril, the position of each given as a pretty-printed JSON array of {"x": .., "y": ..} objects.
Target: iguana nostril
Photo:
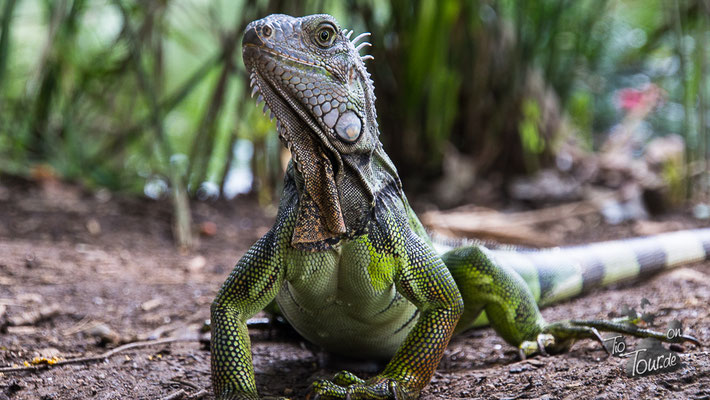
[{"x": 266, "y": 31}]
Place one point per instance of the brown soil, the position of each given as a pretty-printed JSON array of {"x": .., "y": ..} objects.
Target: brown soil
[{"x": 82, "y": 273}]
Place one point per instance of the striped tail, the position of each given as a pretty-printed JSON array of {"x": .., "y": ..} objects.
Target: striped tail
[{"x": 561, "y": 273}]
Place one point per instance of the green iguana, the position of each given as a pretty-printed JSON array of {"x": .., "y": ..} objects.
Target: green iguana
[{"x": 350, "y": 265}]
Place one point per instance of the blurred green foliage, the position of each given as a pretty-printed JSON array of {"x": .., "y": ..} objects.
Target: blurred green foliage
[{"x": 130, "y": 94}]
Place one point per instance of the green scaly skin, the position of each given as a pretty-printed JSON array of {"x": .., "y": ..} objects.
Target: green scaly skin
[{"x": 349, "y": 263}]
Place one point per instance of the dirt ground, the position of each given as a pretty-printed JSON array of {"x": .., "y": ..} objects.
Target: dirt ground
[{"x": 82, "y": 273}]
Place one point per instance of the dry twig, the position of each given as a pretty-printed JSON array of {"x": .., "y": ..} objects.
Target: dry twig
[
  {"x": 99, "y": 357},
  {"x": 178, "y": 394},
  {"x": 198, "y": 395}
]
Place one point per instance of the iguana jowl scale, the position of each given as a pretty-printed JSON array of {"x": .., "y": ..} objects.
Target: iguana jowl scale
[{"x": 349, "y": 263}]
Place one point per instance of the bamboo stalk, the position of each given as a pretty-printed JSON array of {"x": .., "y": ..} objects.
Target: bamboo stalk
[
  {"x": 182, "y": 223},
  {"x": 203, "y": 143},
  {"x": 678, "y": 26},
  {"x": 5, "y": 25},
  {"x": 230, "y": 161},
  {"x": 704, "y": 132}
]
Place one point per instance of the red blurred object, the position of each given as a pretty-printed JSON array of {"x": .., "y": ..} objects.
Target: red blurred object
[
  {"x": 630, "y": 99},
  {"x": 208, "y": 228},
  {"x": 640, "y": 100}
]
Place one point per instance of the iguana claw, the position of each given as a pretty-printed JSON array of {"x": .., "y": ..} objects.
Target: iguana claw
[
  {"x": 541, "y": 342},
  {"x": 559, "y": 336},
  {"x": 623, "y": 326}
]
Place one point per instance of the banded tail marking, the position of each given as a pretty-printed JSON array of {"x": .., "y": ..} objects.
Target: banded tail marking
[{"x": 562, "y": 273}]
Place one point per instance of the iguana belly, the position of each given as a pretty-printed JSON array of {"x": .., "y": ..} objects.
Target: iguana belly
[{"x": 345, "y": 300}]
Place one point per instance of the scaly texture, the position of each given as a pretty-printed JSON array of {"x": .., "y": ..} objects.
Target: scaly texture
[{"x": 349, "y": 263}]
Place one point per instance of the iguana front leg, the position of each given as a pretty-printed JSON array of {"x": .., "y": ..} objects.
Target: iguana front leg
[
  {"x": 425, "y": 281},
  {"x": 253, "y": 283}
]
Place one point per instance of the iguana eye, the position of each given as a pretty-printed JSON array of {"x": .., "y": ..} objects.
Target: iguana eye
[{"x": 325, "y": 35}]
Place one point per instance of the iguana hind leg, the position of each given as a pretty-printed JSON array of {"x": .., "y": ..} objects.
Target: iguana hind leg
[
  {"x": 512, "y": 311},
  {"x": 497, "y": 290}
]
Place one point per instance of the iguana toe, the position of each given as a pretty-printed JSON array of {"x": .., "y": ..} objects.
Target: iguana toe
[
  {"x": 346, "y": 385},
  {"x": 327, "y": 390},
  {"x": 543, "y": 344}
]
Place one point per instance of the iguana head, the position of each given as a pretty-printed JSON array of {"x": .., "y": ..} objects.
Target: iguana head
[{"x": 313, "y": 79}]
